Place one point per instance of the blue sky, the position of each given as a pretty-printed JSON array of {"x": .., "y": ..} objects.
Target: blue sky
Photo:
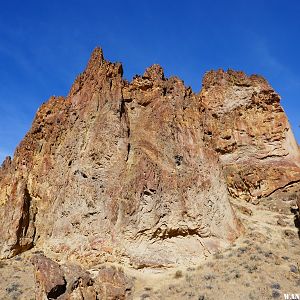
[{"x": 45, "y": 44}]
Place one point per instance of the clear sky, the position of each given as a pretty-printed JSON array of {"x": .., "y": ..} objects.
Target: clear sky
[{"x": 45, "y": 44}]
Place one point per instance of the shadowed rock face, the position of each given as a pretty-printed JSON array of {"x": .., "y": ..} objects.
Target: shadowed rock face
[{"x": 134, "y": 172}]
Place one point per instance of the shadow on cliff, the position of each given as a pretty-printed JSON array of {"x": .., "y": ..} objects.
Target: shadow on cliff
[{"x": 296, "y": 213}]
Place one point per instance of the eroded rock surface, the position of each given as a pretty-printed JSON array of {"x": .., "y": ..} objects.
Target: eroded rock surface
[
  {"x": 69, "y": 281},
  {"x": 247, "y": 127},
  {"x": 139, "y": 172}
]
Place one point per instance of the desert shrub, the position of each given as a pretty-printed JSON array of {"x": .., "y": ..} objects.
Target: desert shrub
[{"x": 178, "y": 274}]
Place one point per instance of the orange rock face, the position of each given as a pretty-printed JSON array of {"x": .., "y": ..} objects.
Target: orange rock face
[{"x": 139, "y": 172}]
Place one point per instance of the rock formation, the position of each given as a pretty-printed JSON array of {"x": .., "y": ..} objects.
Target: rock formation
[
  {"x": 140, "y": 172},
  {"x": 248, "y": 128},
  {"x": 55, "y": 281},
  {"x": 119, "y": 170}
]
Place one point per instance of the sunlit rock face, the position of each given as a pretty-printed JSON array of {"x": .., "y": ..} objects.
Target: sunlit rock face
[
  {"x": 140, "y": 172},
  {"x": 248, "y": 128}
]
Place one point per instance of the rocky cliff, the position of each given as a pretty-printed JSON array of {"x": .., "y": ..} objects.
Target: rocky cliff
[
  {"x": 247, "y": 127},
  {"x": 140, "y": 172}
]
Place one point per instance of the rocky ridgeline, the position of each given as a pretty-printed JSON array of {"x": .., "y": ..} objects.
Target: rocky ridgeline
[{"x": 140, "y": 173}]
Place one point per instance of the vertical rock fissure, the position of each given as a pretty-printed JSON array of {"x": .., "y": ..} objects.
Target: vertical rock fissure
[
  {"x": 24, "y": 224},
  {"x": 125, "y": 125}
]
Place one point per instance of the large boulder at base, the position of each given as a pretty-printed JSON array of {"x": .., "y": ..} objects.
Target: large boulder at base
[{"x": 246, "y": 125}]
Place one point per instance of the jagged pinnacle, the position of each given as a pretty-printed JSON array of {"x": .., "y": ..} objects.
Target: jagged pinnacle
[{"x": 96, "y": 59}]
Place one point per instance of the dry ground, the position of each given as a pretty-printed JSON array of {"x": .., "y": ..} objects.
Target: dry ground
[{"x": 262, "y": 264}]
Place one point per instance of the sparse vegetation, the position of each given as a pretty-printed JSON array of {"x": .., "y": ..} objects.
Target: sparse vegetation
[
  {"x": 178, "y": 274},
  {"x": 275, "y": 294},
  {"x": 2, "y": 264},
  {"x": 14, "y": 287},
  {"x": 275, "y": 285},
  {"x": 293, "y": 269}
]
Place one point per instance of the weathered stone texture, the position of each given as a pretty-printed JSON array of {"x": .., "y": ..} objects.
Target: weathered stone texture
[
  {"x": 71, "y": 282},
  {"x": 134, "y": 172},
  {"x": 247, "y": 127}
]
